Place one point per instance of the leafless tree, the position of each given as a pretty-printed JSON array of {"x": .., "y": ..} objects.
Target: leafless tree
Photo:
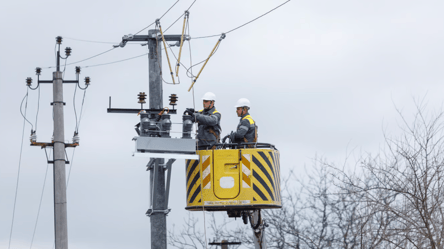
[
  {"x": 405, "y": 182},
  {"x": 391, "y": 200}
]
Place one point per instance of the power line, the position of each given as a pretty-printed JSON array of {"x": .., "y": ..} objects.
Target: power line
[
  {"x": 75, "y": 39},
  {"x": 257, "y": 17},
  {"x": 38, "y": 108},
  {"x": 91, "y": 57},
  {"x": 159, "y": 18},
  {"x": 201, "y": 37},
  {"x": 19, "y": 166},
  {"x": 86, "y": 58},
  {"x": 179, "y": 17},
  {"x": 81, "y": 110},
  {"x": 26, "y": 106},
  {"x": 40, "y": 204},
  {"x": 103, "y": 64}
]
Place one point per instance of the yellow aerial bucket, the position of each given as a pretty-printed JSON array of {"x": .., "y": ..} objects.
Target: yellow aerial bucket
[{"x": 239, "y": 179}]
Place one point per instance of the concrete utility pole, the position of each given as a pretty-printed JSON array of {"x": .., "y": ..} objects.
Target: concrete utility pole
[
  {"x": 59, "y": 145},
  {"x": 157, "y": 166}
]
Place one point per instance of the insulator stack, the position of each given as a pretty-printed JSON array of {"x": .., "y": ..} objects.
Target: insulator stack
[
  {"x": 142, "y": 97},
  {"x": 59, "y": 39},
  {"x": 173, "y": 99},
  {"x": 28, "y": 81},
  {"x": 68, "y": 51}
]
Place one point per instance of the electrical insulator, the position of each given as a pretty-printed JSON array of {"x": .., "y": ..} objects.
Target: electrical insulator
[
  {"x": 77, "y": 70},
  {"x": 87, "y": 80},
  {"x": 52, "y": 139},
  {"x": 28, "y": 81},
  {"x": 33, "y": 137},
  {"x": 173, "y": 99},
  {"x": 75, "y": 138},
  {"x": 59, "y": 39},
  {"x": 142, "y": 97},
  {"x": 38, "y": 70},
  {"x": 68, "y": 51}
]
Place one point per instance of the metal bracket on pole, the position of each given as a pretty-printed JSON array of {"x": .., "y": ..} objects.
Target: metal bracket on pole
[
  {"x": 150, "y": 164},
  {"x": 151, "y": 211}
]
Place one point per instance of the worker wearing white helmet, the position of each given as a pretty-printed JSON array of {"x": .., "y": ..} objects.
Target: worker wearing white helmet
[
  {"x": 208, "y": 120},
  {"x": 246, "y": 129}
]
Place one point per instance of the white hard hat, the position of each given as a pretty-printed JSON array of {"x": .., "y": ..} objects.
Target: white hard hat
[
  {"x": 243, "y": 102},
  {"x": 209, "y": 96}
]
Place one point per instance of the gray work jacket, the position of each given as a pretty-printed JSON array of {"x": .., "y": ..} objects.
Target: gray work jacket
[
  {"x": 209, "y": 125},
  {"x": 246, "y": 129}
]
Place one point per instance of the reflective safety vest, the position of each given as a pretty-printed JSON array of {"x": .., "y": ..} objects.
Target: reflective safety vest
[{"x": 252, "y": 124}]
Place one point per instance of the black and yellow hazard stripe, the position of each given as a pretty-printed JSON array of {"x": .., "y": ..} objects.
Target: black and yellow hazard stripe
[
  {"x": 193, "y": 180},
  {"x": 264, "y": 177}
]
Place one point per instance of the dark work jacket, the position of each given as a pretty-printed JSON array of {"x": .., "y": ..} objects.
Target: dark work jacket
[
  {"x": 209, "y": 124},
  {"x": 245, "y": 129}
]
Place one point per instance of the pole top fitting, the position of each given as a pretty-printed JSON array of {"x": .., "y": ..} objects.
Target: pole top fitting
[
  {"x": 157, "y": 21},
  {"x": 222, "y": 36},
  {"x": 187, "y": 13},
  {"x": 78, "y": 69},
  {"x": 59, "y": 39},
  {"x": 38, "y": 70}
]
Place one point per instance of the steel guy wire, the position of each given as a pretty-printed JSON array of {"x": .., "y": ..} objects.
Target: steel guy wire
[
  {"x": 19, "y": 166},
  {"x": 40, "y": 204},
  {"x": 201, "y": 37},
  {"x": 159, "y": 18}
]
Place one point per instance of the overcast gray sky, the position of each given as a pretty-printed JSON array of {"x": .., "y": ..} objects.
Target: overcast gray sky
[{"x": 323, "y": 78}]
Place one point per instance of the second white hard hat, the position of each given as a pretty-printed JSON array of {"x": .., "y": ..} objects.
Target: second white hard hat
[
  {"x": 243, "y": 102},
  {"x": 209, "y": 96}
]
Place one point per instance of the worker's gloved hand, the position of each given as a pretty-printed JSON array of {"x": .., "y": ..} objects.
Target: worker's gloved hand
[
  {"x": 225, "y": 138},
  {"x": 232, "y": 136},
  {"x": 188, "y": 111}
]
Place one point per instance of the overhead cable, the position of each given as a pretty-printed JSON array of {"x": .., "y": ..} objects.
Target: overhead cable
[
  {"x": 38, "y": 108},
  {"x": 180, "y": 16},
  {"x": 86, "y": 58},
  {"x": 75, "y": 39},
  {"x": 40, "y": 204},
  {"x": 116, "y": 61},
  {"x": 26, "y": 106},
  {"x": 81, "y": 111},
  {"x": 201, "y": 37},
  {"x": 91, "y": 57},
  {"x": 159, "y": 18},
  {"x": 19, "y": 166}
]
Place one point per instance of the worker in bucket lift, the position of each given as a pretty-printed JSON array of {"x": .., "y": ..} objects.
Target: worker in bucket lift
[
  {"x": 246, "y": 129},
  {"x": 208, "y": 119}
]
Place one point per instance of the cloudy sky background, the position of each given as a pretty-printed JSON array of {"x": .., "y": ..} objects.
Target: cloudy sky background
[{"x": 323, "y": 77}]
